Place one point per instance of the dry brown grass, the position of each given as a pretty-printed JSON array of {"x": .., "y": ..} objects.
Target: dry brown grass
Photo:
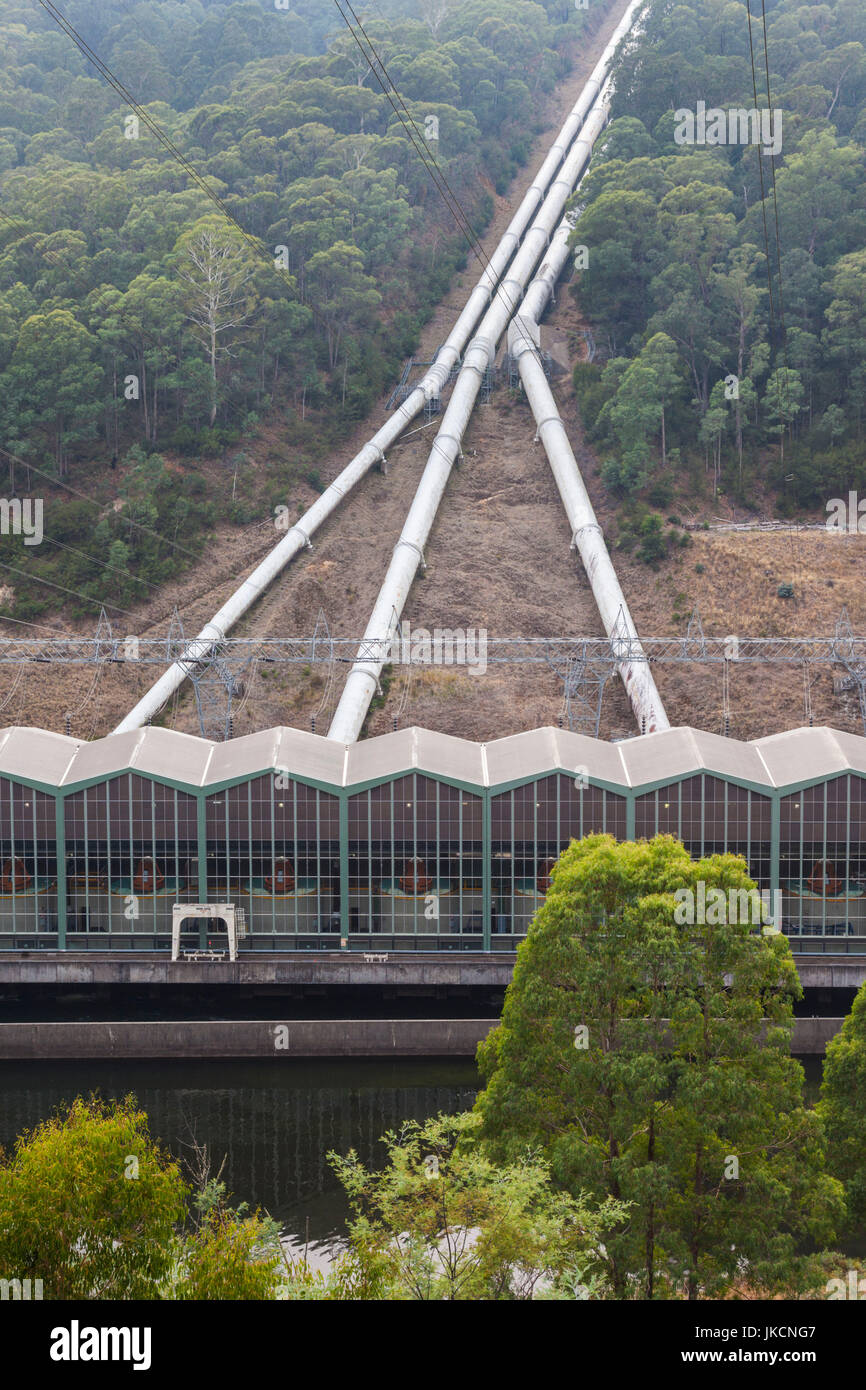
[
  {"x": 737, "y": 592},
  {"x": 743, "y": 571}
]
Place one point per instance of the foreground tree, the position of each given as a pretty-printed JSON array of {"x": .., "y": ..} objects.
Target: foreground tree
[
  {"x": 233, "y": 1254},
  {"x": 89, "y": 1203},
  {"x": 843, "y": 1106},
  {"x": 92, "y": 1206},
  {"x": 645, "y": 1048},
  {"x": 442, "y": 1222}
]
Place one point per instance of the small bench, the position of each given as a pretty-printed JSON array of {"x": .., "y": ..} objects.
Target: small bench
[
  {"x": 376, "y": 956},
  {"x": 204, "y": 955}
]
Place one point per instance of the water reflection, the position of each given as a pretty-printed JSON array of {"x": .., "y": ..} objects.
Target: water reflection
[{"x": 273, "y": 1121}]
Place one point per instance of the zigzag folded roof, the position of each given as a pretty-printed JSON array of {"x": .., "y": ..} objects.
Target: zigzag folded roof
[{"x": 783, "y": 760}]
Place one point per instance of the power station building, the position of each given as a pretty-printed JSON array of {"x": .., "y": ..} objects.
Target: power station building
[{"x": 411, "y": 841}]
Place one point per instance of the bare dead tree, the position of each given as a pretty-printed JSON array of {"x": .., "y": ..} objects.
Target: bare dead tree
[
  {"x": 433, "y": 12},
  {"x": 216, "y": 272}
]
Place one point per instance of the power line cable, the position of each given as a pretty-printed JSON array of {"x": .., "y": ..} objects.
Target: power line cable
[
  {"x": 761, "y": 169},
  {"x": 156, "y": 129},
  {"x": 103, "y": 564},
  {"x": 776, "y": 213},
  {"x": 19, "y": 226},
  {"x": 152, "y": 125},
  {"x": 385, "y": 82},
  {"x": 256, "y": 245},
  {"x": 406, "y": 119},
  {"x": 72, "y": 550},
  {"x": 14, "y": 686},
  {"x": 380, "y": 72},
  {"x": 85, "y": 498},
  {"x": 37, "y": 578},
  {"x": 61, "y": 482},
  {"x": 764, "y": 217},
  {"x": 403, "y": 115},
  {"x": 55, "y": 632},
  {"x": 796, "y": 556}
]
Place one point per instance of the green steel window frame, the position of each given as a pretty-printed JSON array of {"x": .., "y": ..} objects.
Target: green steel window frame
[
  {"x": 341, "y": 794},
  {"x": 14, "y": 843},
  {"x": 472, "y": 789},
  {"x": 626, "y": 794},
  {"x": 61, "y": 796}
]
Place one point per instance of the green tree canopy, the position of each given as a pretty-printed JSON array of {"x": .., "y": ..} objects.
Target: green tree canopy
[
  {"x": 95, "y": 1209},
  {"x": 440, "y": 1221},
  {"x": 89, "y": 1204},
  {"x": 843, "y": 1106},
  {"x": 648, "y": 1057}
]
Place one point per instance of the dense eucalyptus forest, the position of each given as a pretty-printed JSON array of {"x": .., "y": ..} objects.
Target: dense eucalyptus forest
[
  {"x": 725, "y": 286},
  {"x": 145, "y": 327}
]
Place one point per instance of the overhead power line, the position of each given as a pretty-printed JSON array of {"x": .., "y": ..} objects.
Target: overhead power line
[
  {"x": 776, "y": 208},
  {"x": 257, "y": 246},
  {"x": 152, "y": 125},
  {"x": 75, "y": 593},
  {"x": 398, "y": 105},
  {"x": 764, "y": 215},
  {"x": 61, "y": 482},
  {"x": 761, "y": 169}
]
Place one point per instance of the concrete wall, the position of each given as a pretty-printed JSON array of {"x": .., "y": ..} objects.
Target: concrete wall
[
  {"x": 414, "y": 1037},
  {"x": 301, "y": 968},
  {"x": 813, "y": 1034},
  {"x": 326, "y": 968}
]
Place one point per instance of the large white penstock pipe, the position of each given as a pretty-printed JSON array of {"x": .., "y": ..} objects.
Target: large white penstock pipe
[
  {"x": 587, "y": 534},
  {"x": 362, "y": 681},
  {"x": 430, "y": 387}
]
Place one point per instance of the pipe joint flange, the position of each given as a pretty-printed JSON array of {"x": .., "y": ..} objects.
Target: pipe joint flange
[
  {"x": 475, "y": 367},
  {"x": 441, "y": 369},
  {"x": 484, "y": 345},
  {"x": 422, "y": 563},
  {"x": 590, "y": 526},
  {"x": 548, "y": 420},
  {"x": 542, "y": 281},
  {"x": 453, "y": 439},
  {"x": 518, "y": 286},
  {"x": 308, "y": 544}
]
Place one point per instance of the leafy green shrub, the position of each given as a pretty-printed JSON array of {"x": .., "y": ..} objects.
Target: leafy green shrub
[
  {"x": 611, "y": 476},
  {"x": 653, "y": 541},
  {"x": 660, "y": 493}
]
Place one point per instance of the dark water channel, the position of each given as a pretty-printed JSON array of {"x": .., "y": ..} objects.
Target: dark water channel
[{"x": 273, "y": 1121}]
